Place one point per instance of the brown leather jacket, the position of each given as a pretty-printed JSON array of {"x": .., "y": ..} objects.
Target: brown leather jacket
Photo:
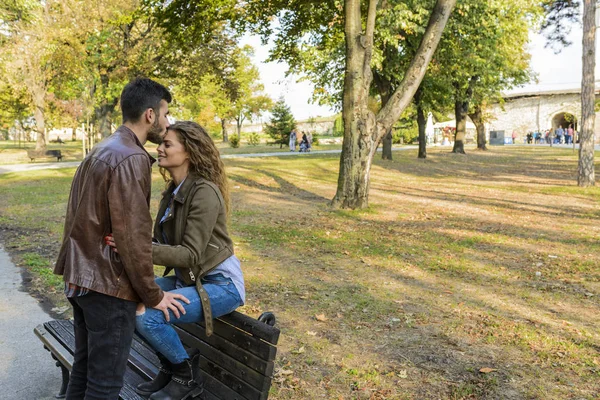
[{"x": 111, "y": 193}]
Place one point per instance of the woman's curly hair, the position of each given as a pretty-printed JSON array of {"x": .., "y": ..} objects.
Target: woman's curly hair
[{"x": 205, "y": 159}]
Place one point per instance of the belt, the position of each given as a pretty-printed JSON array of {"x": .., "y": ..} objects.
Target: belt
[{"x": 205, "y": 301}]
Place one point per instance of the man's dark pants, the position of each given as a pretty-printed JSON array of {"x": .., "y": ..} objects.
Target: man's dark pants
[{"x": 104, "y": 328}]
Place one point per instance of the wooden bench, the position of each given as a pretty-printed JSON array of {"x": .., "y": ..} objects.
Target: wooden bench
[
  {"x": 235, "y": 363},
  {"x": 33, "y": 154}
]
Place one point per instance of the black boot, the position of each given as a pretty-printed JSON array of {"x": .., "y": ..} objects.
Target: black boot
[
  {"x": 182, "y": 385},
  {"x": 160, "y": 381}
]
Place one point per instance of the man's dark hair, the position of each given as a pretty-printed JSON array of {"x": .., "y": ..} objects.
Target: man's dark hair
[{"x": 141, "y": 94}]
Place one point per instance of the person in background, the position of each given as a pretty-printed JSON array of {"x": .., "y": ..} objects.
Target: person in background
[
  {"x": 559, "y": 134},
  {"x": 570, "y": 134},
  {"x": 293, "y": 139}
]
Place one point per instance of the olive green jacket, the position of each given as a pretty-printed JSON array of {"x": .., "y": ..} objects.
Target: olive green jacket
[{"x": 195, "y": 229}]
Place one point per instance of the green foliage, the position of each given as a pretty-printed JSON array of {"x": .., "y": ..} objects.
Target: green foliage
[
  {"x": 338, "y": 126},
  {"x": 405, "y": 135},
  {"x": 282, "y": 122},
  {"x": 315, "y": 141},
  {"x": 486, "y": 43},
  {"x": 253, "y": 139},
  {"x": 234, "y": 141}
]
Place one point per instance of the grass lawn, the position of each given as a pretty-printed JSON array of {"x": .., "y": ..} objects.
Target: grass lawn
[{"x": 469, "y": 277}]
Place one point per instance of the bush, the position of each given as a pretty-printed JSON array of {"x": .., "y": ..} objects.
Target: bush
[
  {"x": 253, "y": 139},
  {"x": 315, "y": 141},
  {"x": 405, "y": 136},
  {"x": 338, "y": 126},
  {"x": 234, "y": 141}
]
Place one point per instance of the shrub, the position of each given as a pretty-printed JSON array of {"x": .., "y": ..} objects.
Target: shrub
[
  {"x": 234, "y": 141},
  {"x": 405, "y": 136},
  {"x": 315, "y": 141},
  {"x": 253, "y": 139}
]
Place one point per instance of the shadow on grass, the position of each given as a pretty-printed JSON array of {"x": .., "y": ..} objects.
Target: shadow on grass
[
  {"x": 484, "y": 166},
  {"x": 286, "y": 189}
]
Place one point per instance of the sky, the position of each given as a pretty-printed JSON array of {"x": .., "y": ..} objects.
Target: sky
[{"x": 554, "y": 71}]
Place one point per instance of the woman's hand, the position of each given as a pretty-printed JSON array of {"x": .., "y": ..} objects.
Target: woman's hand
[{"x": 110, "y": 240}]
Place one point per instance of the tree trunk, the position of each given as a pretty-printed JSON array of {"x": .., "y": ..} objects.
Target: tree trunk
[
  {"x": 461, "y": 108},
  {"x": 585, "y": 174},
  {"x": 104, "y": 115},
  {"x": 385, "y": 89},
  {"x": 477, "y": 118},
  {"x": 39, "y": 113},
  {"x": 224, "y": 130},
  {"x": 460, "y": 111},
  {"x": 386, "y": 153},
  {"x": 362, "y": 129},
  {"x": 422, "y": 124},
  {"x": 359, "y": 122},
  {"x": 40, "y": 123}
]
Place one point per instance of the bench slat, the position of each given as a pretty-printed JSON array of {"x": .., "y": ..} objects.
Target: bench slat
[
  {"x": 254, "y": 327},
  {"x": 225, "y": 368},
  {"x": 223, "y": 345},
  {"x": 214, "y": 388},
  {"x": 259, "y": 348},
  {"x": 53, "y": 345}
]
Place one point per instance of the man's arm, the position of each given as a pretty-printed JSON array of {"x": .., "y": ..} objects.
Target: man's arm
[{"x": 128, "y": 201}]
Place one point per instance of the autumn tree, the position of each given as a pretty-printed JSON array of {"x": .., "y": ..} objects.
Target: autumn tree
[
  {"x": 482, "y": 52},
  {"x": 26, "y": 51}
]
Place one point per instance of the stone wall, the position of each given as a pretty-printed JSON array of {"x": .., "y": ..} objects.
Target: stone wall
[
  {"x": 316, "y": 128},
  {"x": 536, "y": 112}
]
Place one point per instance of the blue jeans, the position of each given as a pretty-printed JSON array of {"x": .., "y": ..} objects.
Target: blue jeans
[
  {"x": 224, "y": 298},
  {"x": 103, "y": 333}
]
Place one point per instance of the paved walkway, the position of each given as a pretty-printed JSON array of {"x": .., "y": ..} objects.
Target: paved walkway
[
  {"x": 4, "y": 169},
  {"x": 27, "y": 371}
]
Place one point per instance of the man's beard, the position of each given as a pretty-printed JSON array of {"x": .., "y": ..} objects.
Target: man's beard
[{"x": 155, "y": 133}]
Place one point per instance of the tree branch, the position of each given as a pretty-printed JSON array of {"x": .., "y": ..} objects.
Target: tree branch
[
  {"x": 417, "y": 69},
  {"x": 367, "y": 41}
]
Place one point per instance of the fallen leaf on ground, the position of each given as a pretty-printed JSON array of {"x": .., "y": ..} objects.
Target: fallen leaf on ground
[
  {"x": 299, "y": 351},
  {"x": 311, "y": 333},
  {"x": 487, "y": 370},
  {"x": 321, "y": 317}
]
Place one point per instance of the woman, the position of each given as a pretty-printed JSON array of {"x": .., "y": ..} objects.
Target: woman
[{"x": 191, "y": 238}]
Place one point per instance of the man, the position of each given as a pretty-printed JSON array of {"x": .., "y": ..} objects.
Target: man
[
  {"x": 111, "y": 193},
  {"x": 559, "y": 134}
]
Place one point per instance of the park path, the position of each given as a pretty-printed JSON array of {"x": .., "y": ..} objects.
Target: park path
[
  {"x": 4, "y": 169},
  {"x": 27, "y": 371}
]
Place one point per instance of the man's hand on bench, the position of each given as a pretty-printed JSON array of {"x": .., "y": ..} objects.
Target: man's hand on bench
[{"x": 170, "y": 301}]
